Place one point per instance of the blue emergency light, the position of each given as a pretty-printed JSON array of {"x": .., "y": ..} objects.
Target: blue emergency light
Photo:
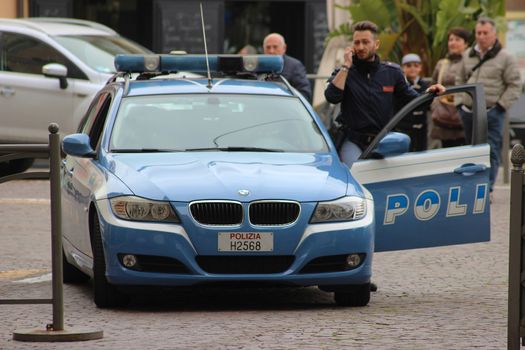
[{"x": 197, "y": 63}]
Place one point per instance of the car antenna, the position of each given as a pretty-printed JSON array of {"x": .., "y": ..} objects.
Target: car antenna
[{"x": 205, "y": 49}]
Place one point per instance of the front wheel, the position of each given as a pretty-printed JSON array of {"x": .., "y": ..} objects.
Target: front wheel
[
  {"x": 106, "y": 295},
  {"x": 358, "y": 295}
]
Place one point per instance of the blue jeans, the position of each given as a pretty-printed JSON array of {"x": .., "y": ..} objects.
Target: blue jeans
[
  {"x": 495, "y": 119},
  {"x": 349, "y": 153}
]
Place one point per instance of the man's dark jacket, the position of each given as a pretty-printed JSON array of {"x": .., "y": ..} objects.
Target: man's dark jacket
[
  {"x": 295, "y": 73},
  {"x": 372, "y": 90}
]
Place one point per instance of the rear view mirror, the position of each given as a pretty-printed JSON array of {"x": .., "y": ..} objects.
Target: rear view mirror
[
  {"x": 56, "y": 70},
  {"x": 393, "y": 144},
  {"x": 78, "y": 145}
]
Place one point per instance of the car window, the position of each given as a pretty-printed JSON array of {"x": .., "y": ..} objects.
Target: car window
[
  {"x": 96, "y": 129},
  {"x": 98, "y": 51},
  {"x": 95, "y": 117},
  {"x": 435, "y": 124},
  {"x": 89, "y": 118},
  {"x": 23, "y": 54},
  {"x": 194, "y": 122},
  {"x": 422, "y": 103}
]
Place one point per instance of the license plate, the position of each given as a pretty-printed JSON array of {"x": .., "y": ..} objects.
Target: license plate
[{"x": 245, "y": 242}]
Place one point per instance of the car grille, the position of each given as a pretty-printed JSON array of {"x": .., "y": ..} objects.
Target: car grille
[
  {"x": 217, "y": 213},
  {"x": 274, "y": 213},
  {"x": 264, "y": 213},
  {"x": 244, "y": 264}
]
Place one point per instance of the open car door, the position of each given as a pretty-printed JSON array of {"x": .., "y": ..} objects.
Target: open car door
[{"x": 432, "y": 198}]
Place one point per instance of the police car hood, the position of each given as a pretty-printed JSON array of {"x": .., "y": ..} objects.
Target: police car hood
[{"x": 239, "y": 176}]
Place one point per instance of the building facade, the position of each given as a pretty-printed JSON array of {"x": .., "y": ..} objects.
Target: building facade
[{"x": 167, "y": 25}]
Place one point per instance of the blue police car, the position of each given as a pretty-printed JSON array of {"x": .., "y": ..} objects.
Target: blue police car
[{"x": 232, "y": 177}]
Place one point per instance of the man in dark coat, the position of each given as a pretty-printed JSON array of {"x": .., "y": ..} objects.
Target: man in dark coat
[
  {"x": 293, "y": 69},
  {"x": 369, "y": 91}
]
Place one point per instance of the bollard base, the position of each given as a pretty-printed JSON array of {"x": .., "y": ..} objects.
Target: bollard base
[{"x": 66, "y": 335}]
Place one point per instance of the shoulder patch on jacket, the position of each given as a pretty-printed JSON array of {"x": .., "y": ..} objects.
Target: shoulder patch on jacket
[{"x": 391, "y": 65}]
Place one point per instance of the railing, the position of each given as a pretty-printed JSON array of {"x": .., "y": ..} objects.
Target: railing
[
  {"x": 516, "y": 300},
  {"x": 54, "y": 331}
]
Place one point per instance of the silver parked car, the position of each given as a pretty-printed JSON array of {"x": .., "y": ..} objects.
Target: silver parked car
[{"x": 50, "y": 69}]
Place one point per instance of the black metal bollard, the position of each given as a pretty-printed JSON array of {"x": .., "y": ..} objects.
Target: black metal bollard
[
  {"x": 54, "y": 332},
  {"x": 516, "y": 300}
]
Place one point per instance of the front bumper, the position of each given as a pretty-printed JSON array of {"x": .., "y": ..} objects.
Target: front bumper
[{"x": 172, "y": 241}]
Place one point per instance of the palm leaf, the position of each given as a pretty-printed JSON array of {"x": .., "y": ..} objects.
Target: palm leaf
[
  {"x": 414, "y": 11},
  {"x": 388, "y": 42},
  {"x": 376, "y": 11}
]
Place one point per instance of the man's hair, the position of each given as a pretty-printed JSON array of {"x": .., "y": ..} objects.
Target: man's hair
[
  {"x": 365, "y": 25},
  {"x": 281, "y": 38},
  {"x": 484, "y": 20},
  {"x": 460, "y": 32}
]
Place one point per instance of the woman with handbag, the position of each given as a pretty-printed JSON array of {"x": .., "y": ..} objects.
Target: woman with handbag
[{"x": 446, "y": 122}]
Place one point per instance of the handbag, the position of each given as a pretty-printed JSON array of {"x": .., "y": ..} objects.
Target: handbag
[{"x": 443, "y": 111}]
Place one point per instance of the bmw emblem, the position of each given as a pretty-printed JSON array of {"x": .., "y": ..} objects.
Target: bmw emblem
[{"x": 243, "y": 193}]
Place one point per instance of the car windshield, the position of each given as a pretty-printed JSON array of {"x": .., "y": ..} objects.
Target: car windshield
[
  {"x": 98, "y": 51},
  {"x": 222, "y": 122}
]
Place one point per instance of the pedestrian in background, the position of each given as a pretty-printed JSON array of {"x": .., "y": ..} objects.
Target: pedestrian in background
[
  {"x": 368, "y": 91},
  {"x": 414, "y": 124},
  {"x": 248, "y": 50},
  {"x": 494, "y": 67},
  {"x": 446, "y": 123},
  {"x": 293, "y": 69}
]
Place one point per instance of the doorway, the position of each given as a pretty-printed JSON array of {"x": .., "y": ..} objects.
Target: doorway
[{"x": 248, "y": 22}]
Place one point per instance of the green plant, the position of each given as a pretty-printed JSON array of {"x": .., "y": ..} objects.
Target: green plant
[{"x": 419, "y": 26}]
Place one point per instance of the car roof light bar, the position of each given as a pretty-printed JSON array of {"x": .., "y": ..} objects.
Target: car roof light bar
[{"x": 258, "y": 64}]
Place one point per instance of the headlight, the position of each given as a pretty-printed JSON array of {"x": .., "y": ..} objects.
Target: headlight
[
  {"x": 139, "y": 209},
  {"x": 343, "y": 209}
]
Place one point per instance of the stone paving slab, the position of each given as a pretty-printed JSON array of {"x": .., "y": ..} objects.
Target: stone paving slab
[{"x": 439, "y": 298}]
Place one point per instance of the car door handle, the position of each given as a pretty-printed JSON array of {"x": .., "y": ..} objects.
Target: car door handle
[
  {"x": 7, "y": 91},
  {"x": 470, "y": 169},
  {"x": 67, "y": 171}
]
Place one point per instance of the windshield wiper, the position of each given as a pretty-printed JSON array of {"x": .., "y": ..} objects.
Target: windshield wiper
[
  {"x": 235, "y": 149},
  {"x": 144, "y": 150}
]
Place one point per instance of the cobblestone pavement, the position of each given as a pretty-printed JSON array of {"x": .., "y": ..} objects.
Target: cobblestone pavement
[{"x": 440, "y": 298}]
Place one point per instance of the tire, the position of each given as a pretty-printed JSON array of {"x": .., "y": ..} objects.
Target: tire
[
  {"x": 105, "y": 294},
  {"x": 353, "y": 295},
  {"x": 15, "y": 166},
  {"x": 71, "y": 274}
]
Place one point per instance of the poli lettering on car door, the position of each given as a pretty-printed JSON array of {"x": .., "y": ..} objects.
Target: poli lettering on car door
[{"x": 433, "y": 198}]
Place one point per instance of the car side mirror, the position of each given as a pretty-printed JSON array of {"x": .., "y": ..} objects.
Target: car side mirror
[
  {"x": 393, "y": 144},
  {"x": 78, "y": 145},
  {"x": 56, "y": 70}
]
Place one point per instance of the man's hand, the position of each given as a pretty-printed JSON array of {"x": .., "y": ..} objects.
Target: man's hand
[
  {"x": 348, "y": 56},
  {"x": 340, "y": 79},
  {"x": 437, "y": 89}
]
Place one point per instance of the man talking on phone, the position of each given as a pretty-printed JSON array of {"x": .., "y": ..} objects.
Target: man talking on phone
[{"x": 368, "y": 90}]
